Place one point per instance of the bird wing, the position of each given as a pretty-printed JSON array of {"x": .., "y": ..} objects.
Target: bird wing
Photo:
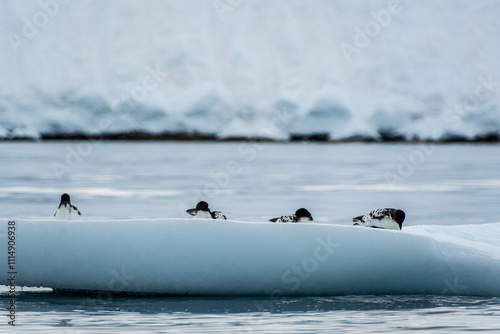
[
  {"x": 379, "y": 214},
  {"x": 192, "y": 212},
  {"x": 218, "y": 215},
  {"x": 358, "y": 218},
  {"x": 76, "y": 209}
]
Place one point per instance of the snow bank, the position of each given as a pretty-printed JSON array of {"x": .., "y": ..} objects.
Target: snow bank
[
  {"x": 212, "y": 257},
  {"x": 229, "y": 68}
]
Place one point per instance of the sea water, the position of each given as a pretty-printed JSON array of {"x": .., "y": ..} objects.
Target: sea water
[{"x": 433, "y": 184}]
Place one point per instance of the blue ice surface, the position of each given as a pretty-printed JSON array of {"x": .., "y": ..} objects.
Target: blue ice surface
[{"x": 214, "y": 257}]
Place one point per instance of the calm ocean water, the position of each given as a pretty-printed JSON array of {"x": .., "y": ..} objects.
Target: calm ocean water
[
  {"x": 49, "y": 313},
  {"x": 434, "y": 184}
]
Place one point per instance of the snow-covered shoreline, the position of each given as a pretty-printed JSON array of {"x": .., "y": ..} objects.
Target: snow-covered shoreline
[
  {"x": 199, "y": 137},
  {"x": 250, "y": 69}
]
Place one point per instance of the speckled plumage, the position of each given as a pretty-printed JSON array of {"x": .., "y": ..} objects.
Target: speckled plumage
[
  {"x": 202, "y": 211},
  {"x": 66, "y": 210},
  {"x": 387, "y": 218},
  {"x": 300, "y": 216}
]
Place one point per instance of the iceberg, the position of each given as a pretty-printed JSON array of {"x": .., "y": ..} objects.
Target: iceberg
[{"x": 216, "y": 257}]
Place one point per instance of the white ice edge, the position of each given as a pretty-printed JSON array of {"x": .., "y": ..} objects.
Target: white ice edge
[{"x": 209, "y": 257}]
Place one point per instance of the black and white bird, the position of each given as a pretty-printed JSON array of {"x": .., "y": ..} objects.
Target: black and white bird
[
  {"x": 300, "y": 216},
  {"x": 382, "y": 218},
  {"x": 202, "y": 211},
  {"x": 66, "y": 210}
]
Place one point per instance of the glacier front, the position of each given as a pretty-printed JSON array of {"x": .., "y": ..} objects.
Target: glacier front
[{"x": 247, "y": 69}]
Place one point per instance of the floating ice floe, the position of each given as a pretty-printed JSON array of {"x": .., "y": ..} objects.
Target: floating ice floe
[{"x": 217, "y": 257}]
